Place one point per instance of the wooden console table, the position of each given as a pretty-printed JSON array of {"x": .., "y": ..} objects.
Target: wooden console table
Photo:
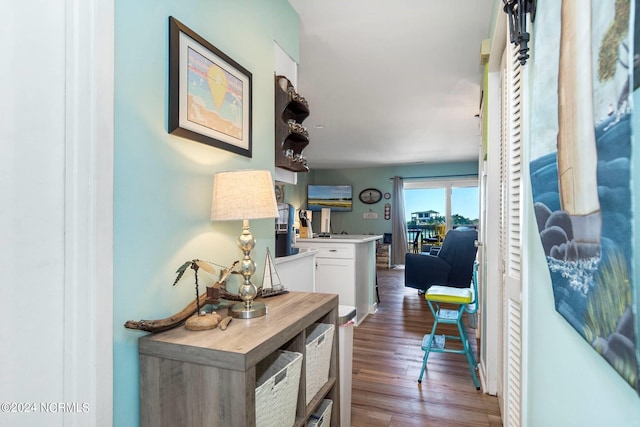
[{"x": 201, "y": 378}]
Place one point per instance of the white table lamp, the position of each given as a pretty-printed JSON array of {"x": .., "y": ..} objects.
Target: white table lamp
[{"x": 244, "y": 195}]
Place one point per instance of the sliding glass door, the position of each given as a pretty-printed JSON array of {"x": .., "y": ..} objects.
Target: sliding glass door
[
  {"x": 464, "y": 206},
  {"x": 435, "y": 206}
]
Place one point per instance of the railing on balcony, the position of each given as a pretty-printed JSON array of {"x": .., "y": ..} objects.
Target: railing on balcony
[
  {"x": 421, "y": 237},
  {"x": 423, "y": 234}
]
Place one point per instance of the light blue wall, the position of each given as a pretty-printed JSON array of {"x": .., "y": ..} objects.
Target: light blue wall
[
  {"x": 296, "y": 195},
  {"x": 163, "y": 183},
  {"x": 567, "y": 382},
  {"x": 380, "y": 178}
]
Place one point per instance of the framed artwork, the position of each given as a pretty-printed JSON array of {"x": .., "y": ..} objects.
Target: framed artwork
[
  {"x": 581, "y": 174},
  {"x": 279, "y": 189},
  {"x": 209, "y": 93}
]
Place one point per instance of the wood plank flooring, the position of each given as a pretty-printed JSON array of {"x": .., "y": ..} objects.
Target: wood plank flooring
[{"x": 386, "y": 364}]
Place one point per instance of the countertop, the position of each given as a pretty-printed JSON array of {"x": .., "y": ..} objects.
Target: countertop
[
  {"x": 344, "y": 238},
  {"x": 245, "y": 342},
  {"x": 301, "y": 254}
]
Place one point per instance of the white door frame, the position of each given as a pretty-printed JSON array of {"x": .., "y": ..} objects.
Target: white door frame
[
  {"x": 490, "y": 364},
  {"x": 88, "y": 269},
  {"x": 502, "y": 357}
]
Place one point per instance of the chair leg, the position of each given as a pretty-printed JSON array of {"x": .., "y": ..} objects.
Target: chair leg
[
  {"x": 471, "y": 359},
  {"x": 472, "y": 368},
  {"x": 429, "y": 344},
  {"x": 377, "y": 293},
  {"x": 427, "y": 350},
  {"x": 424, "y": 366}
]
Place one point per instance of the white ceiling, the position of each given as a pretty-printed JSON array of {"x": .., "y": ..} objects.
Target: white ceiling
[{"x": 392, "y": 81}]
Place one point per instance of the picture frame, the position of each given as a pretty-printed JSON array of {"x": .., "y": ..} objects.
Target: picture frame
[
  {"x": 210, "y": 94},
  {"x": 279, "y": 190}
]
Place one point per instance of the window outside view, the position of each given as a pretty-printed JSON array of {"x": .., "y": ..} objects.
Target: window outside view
[{"x": 426, "y": 213}]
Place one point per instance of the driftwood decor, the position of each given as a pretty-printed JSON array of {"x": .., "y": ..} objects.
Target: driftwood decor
[
  {"x": 168, "y": 322},
  {"x": 192, "y": 310}
]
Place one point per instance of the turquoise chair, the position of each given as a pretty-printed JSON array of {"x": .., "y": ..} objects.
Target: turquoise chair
[{"x": 467, "y": 300}]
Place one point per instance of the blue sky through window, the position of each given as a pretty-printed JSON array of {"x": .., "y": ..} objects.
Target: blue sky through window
[{"x": 464, "y": 201}]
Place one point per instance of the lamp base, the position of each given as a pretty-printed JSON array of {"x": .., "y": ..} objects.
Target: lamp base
[{"x": 240, "y": 312}]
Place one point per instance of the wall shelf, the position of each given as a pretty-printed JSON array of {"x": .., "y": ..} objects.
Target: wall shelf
[{"x": 291, "y": 138}]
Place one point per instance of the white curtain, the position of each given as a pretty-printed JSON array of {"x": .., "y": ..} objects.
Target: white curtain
[{"x": 398, "y": 223}]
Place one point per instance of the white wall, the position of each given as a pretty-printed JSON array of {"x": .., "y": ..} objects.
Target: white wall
[
  {"x": 32, "y": 208},
  {"x": 56, "y": 137}
]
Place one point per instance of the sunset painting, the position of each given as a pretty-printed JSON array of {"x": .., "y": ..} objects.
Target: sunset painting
[{"x": 214, "y": 96}]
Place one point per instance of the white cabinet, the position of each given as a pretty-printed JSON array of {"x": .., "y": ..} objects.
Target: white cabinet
[
  {"x": 298, "y": 272},
  {"x": 346, "y": 265},
  {"x": 335, "y": 276}
]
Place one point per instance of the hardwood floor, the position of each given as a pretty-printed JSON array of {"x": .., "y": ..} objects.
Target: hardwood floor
[{"x": 386, "y": 364}]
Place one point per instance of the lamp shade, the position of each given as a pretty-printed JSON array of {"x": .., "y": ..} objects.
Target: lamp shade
[{"x": 244, "y": 194}]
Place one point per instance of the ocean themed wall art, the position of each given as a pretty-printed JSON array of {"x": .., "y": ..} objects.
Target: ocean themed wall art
[
  {"x": 581, "y": 147},
  {"x": 209, "y": 93}
]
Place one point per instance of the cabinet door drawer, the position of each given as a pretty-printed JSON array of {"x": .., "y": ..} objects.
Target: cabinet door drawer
[
  {"x": 336, "y": 276},
  {"x": 344, "y": 251}
]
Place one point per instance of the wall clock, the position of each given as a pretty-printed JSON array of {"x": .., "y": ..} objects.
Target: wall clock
[{"x": 370, "y": 196}]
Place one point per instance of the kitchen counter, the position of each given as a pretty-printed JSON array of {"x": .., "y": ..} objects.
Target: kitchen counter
[
  {"x": 345, "y": 238},
  {"x": 346, "y": 265},
  {"x": 289, "y": 258}
]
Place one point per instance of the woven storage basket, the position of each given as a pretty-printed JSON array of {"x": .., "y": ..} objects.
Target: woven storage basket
[
  {"x": 319, "y": 344},
  {"x": 277, "y": 384},
  {"x": 322, "y": 416}
]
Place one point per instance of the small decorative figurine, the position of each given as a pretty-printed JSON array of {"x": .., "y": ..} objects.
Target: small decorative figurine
[
  {"x": 271, "y": 285},
  {"x": 196, "y": 320},
  {"x": 200, "y": 321}
]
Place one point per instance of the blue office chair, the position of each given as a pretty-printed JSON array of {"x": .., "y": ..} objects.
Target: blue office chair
[{"x": 466, "y": 299}]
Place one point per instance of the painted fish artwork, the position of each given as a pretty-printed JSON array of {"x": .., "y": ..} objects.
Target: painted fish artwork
[{"x": 581, "y": 147}]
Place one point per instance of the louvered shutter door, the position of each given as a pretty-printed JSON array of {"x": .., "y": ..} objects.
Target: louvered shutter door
[{"x": 512, "y": 250}]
